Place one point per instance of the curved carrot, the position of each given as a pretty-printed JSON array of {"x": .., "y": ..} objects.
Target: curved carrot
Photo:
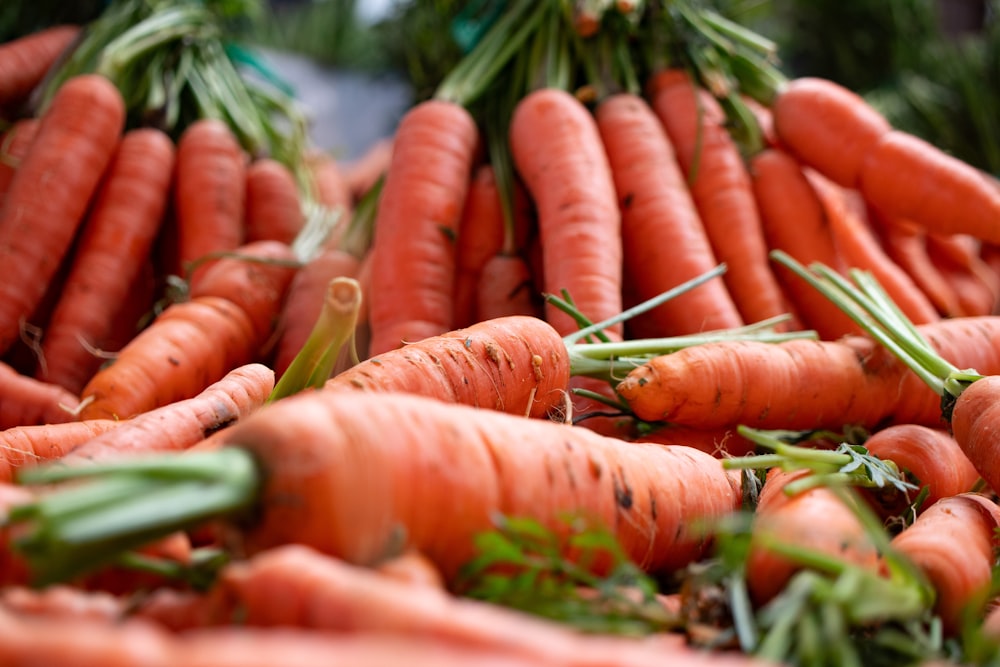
[
  {"x": 953, "y": 542},
  {"x": 24, "y": 446},
  {"x": 558, "y": 152},
  {"x": 26, "y": 401},
  {"x": 663, "y": 239},
  {"x": 722, "y": 191},
  {"x": 516, "y": 364},
  {"x": 51, "y": 190},
  {"x": 480, "y": 237},
  {"x": 828, "y": 127},
  {"x": 179, "y": 425},
  {"x": 413, "y": 252},
  {"x": 957, "y": 257},
  {"x": 793, "y": 220},
  {"x": 24, "y": 61},
  {"x": 188, "y": 347},
  {"x": 907, "y": 177},
  {"x": 816, "y": 519},
  {"x": 209, "y": 195},
  {"x": 804, "y": 384},
  {"x": 273, "y": 205},
  {"x": 107, "y": 263}
]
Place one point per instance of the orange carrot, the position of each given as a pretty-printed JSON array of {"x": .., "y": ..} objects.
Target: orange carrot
[
  {"x": 506, "y": 287},
  {"x": 904, "y": 176},
  {"x": 25, "y": 401},
  {"x": 25, "y": 60},
  {"x": 256, "y": 277},
  {"x": 328, "y": 181},
  {"x": 413, "y": 251},
  {"x": 960, "y": 263},
  {"x": 557, "y": 151},
  {"x": 971, "y": 420},
  {"x": 828, "y": 127},
  {"x": 186, "y": 348},
  {"x": 804, "y": 384},
  {"x": 109, "y": 257},
  {"x": 13, "y": 147},
  {"x": 816, "y": 519},
  {"x": 62, "y": 601},
  {"x": 209, "y": 195},
  {"x": 273, "y": 206},
  {"x": 794, "y": 221},
  {"x": 51, "y": 191},
  {"x": 184, "y": 423},
  {"x": 953, "y": 542},
  {"x": 24, "y": 446},
  {"x": 480, "y": 237},
  {"x": 516, "y": 364},
  {"x": 362, "y": 173},
  {"x": 722, "y": 191},
  {"x": 663, "y": 239}
]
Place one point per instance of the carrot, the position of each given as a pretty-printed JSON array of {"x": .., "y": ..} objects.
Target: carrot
[
  {"x": 114, "y": 246},
  {"x": 816, "y": 519},
  {"x": 362, "y": 173},
  {"x": 413, "y": 252},
  {"x": 722, "y": 191},
  {"x": 794, "y": 221},
  {"x": 971, "y": 420},
  {"x": 186, "y": 348},
  {"x": 517, "y": 364},
  {"x": 25, "y": 60},
  {"x": 859, "y": 248},
  {"x": 663, "y": 239},
  {"x": 209, "y": 195},
  {"x": 13, "y": 147},
  {"x": 480, "y": 237},
  {"x": 327, "y": 180},
  {"x": 184, "y": 423},
  {"x": 803, "y": 384},
  {"x": 506, "y": 287},
  {"x": 76, "y": 139},
  {"x": 23, "y": 446},
  {"x": 953, "y": 542},
  {"x": 25, "y": 401},
  {"x": 827, "y": 127},
  {"x": 320, "y": 472},
  {"x": 62, "y": 601},
  {"x": 958, "y": 258},
  {"x": 273, "y": 206},
  {"x": 904, "y": 176},
  {"x": 557, "y": 151},
  {"x": 255, "y": 276}
]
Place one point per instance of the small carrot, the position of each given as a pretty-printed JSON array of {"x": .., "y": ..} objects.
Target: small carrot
[
  {"x": 907, "y": 177},
  {"x": 189, "y": 346},
  {"x": 953, "y": 542},
  {"x": 794, "y": 221},
  {"x": 480, "y": 237},
  {"x": 957, "y": 257},
  {"x": 273, "y": 204},
  {"x": 558, "y": 152},
  {"x": 828, "y": 127},
  {"x": 663, "y": 239},
  {"x": 413, "y": 251},
  {"x": 209, "y": 195},
  {"x": 114, "y": 246},
  {"x": 25, "y": 401},
  {"x": 362, "y": 173},
  {"x": 25, "y": 446},
  {"x": 722, "y": 191},
  {"x": 25, "y": 60},
  {"x": 184, "y": 423},
  {"x": 51, "y": 191}
]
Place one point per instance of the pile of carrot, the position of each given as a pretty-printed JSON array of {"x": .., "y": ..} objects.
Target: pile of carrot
[{"x": 159, "y": 289}]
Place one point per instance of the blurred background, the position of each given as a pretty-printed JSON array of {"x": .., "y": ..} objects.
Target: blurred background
[{"x": 932, "y": 66}]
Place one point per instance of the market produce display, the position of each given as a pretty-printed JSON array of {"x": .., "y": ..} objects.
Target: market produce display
[{"x": 626, "y": 348}]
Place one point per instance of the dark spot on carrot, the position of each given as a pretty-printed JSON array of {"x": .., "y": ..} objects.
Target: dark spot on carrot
[
  {"x": 174, "y": 361},
  {"x": 627, "y": 200},
  {"x": 468, "y": 343},
  {"x": 219, "y": 426},
  {"x": 623, "y": 494}
]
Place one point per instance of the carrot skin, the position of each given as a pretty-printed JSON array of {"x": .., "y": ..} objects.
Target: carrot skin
[
  {"x": 25, "y": 446},
  {"x": 664, "y": 242},
  {"x": 14, "y": 146},
  {"x": 51, "y": 191},
  {"x": 517, "y": 364},
  {"x": 506, "y": 287},
  {"x": 273, "y": 206},
  {"x": 971, "y": 422},
  {"x": 110, "y": 255},
  {"x": 334, "y": 482},
  {"x": 25, "y": 401},
  {"x": 25, "y": 60},
  {"x": 558, "y": 152},
  {"x": 480, "y": 237}
]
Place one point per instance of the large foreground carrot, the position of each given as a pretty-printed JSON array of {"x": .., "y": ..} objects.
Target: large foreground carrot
[
  {"x": 317, "y": 469},
  {"x": 664, "y": 241},
  {"x": 113, "y": 248},
  {"x": 722, "y": 191},
  {"x": 516, "y": 364},
  {"x": 557, "y": 150},
  {"x": 413, "y": 260},
  {"x": 51, "y": 191}
]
